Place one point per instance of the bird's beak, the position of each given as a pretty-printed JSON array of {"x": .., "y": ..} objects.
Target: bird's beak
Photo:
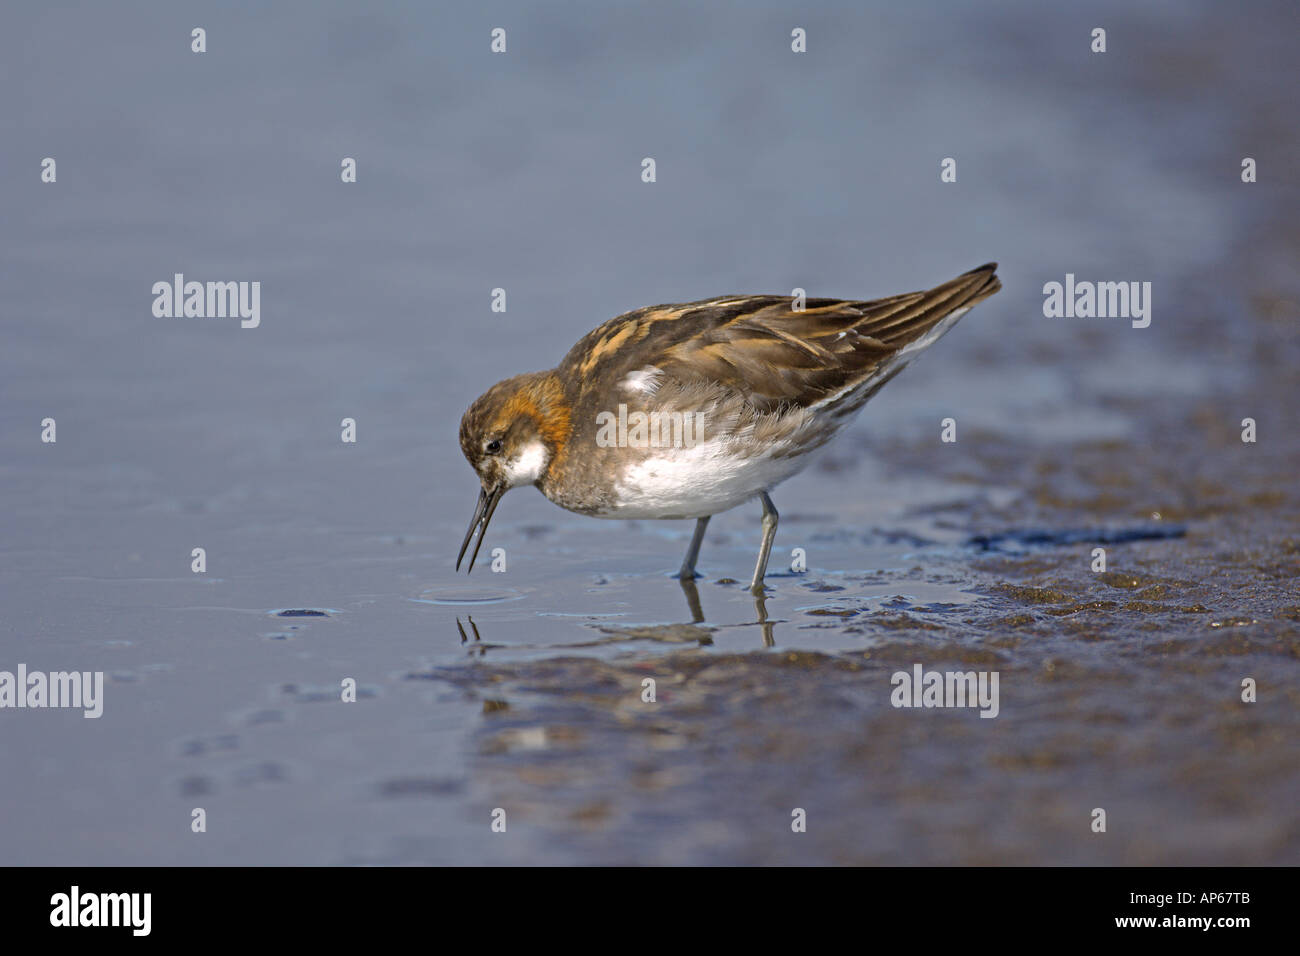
[{"x": 487, "y": 503}]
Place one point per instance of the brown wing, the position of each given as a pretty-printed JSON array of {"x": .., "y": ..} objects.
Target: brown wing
[{"x": 758, "y": 346}]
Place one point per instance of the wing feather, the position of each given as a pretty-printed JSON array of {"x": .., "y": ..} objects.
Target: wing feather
[{"x": 774, "y": 356}]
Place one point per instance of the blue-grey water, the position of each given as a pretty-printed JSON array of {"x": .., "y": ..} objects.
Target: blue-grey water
[{"x": 522, "y": 690}]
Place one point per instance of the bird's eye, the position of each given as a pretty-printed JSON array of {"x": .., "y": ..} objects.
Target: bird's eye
[{"x": 494, "y": 446}]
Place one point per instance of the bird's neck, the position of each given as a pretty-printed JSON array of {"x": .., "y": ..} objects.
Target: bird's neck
[{"x": 540, "y": 396}]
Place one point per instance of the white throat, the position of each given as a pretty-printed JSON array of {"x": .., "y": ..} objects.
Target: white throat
[{"x": 528, "y": 466}]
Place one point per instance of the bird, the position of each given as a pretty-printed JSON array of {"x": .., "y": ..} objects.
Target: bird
[{"x": 688, "y": 410}]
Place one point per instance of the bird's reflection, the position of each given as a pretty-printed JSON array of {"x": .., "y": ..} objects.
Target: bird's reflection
[
  {"x": 694, "y": 607},
  {"x": 760, "y": 608},
  {"x": 692, "y": 599},
  {"x": 696, "y": 610},
  {"x": 477, "y": 646}
]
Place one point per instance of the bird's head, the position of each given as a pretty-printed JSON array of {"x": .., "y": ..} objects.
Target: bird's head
[{"x": 510, "y": 436}]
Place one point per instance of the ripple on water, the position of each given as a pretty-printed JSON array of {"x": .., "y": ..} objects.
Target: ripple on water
[{"x": 460, "y": 595}]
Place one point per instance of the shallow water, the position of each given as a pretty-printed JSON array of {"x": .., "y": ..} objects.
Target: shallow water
[{"x": 522, "y": 690}]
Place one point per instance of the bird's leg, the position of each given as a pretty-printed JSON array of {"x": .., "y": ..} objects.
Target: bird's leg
[
  {"x": 765, "y": 549},
  {"x": 688, "y": 563}
]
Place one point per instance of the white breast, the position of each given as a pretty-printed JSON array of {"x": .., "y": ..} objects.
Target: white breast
[{"x": 693, "y": 482}]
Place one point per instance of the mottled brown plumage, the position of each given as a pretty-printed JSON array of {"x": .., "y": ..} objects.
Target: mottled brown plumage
[{"x": 771, "y": 383}]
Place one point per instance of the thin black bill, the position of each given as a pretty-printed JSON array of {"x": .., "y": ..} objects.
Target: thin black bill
[{"x": 487, "y": 503}]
